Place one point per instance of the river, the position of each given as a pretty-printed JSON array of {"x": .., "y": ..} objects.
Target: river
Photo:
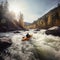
[{"x": 40, "y": 46}]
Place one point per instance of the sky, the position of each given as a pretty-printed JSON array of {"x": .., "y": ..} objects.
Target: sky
[{"x": 32, "y": 9}]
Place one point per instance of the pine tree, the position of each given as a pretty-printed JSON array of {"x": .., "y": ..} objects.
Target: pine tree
[
  {"x": 21, "y": 23},
  {"x": 6, "y": 6},
  {"x": 1, "y": 11}
]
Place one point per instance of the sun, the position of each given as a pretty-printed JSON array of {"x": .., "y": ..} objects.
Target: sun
[{"x": 14, "y": 9}]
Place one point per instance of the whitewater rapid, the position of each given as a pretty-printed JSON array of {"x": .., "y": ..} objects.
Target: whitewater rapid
[{"x": 48, "y": 46}]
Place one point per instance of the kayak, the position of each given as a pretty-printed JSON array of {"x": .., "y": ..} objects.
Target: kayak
[{"x": 26, "y": 39}]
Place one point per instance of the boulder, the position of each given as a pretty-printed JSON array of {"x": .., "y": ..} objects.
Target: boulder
[
  {"x": 53, "y": 31},
  {"x": 5, "y": 43},
  {"x": 16, "y": 32}
]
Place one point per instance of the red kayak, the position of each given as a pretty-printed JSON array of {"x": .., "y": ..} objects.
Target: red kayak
[{"x": 26, "y": 39}]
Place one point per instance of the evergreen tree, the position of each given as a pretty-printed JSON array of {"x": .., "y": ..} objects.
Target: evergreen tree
[
  {"x": 21, "y": 23},
  {"x": 6, "y": 6},
  {"x": 58, "y": 4},
  {"x": 1, "y": 11}
]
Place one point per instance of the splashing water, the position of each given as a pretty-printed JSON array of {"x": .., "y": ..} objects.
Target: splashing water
[{"x": 40, "y": 46}]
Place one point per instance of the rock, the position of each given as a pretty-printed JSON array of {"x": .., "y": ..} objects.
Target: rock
[
  {"x": 16, "y": 32},
  {"x": 53, "y": 31},
  {"x": 37, "y": 29},
  {"x": 1, "y": 58},
  {"x": 5, "y": 43}
]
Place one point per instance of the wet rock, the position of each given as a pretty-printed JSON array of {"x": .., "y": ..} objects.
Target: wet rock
[
  {"x": 53, "y": 31},
  {"x": 5, "y": 43},
  {"x": 16, "y": 32},
  {"x": 1, "y": 58},
  {"x": 37, "y": 29}
]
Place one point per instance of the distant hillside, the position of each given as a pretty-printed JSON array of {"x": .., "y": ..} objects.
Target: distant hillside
[
  {"x": 27, "y": 23},
  {"x": 52, "y": 18}
]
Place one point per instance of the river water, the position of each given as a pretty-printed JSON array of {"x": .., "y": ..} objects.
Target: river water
[{"x": 40, "y": 46}]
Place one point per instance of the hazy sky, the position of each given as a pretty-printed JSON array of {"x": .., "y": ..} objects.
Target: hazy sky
[{"x": 32, "y": 9}]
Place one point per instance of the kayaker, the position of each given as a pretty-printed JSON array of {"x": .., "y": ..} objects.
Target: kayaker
[{"x": 27, "y": 35}]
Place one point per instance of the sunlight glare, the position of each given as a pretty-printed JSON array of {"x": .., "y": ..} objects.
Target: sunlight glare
[{"x": 15, "y": 9}]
